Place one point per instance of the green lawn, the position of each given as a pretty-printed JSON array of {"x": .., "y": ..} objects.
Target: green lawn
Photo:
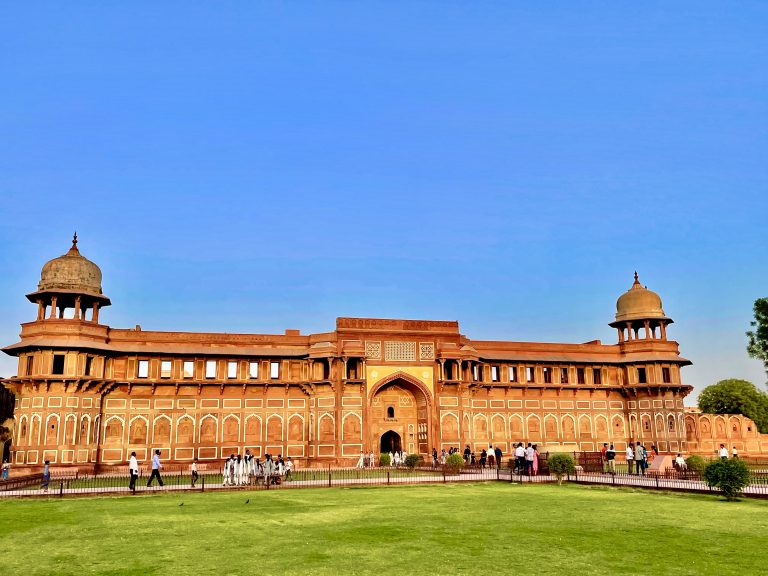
[{"x": 447, "y": 529}]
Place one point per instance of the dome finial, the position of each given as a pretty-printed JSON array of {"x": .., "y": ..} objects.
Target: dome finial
[
  {"x": 636, "y": 280},
  {"x": 74, "y": 244}
]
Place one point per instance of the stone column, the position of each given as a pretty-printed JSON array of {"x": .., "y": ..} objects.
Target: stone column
[
  {"x": 77, "y": 308},
  {"x": 53, "y": 307},
  {"x": 647, "y": 326}
]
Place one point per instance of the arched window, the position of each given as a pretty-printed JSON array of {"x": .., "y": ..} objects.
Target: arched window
[{"x": 391, "y": 412}]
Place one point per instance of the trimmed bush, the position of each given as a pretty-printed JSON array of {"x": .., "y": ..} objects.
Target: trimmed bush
[
  {"x": 413, "y": 460},
  {"x": 454, "y": 462},
  {"x": 560, "y": 465},
  {"x": 384, "y": 460},
  {"x": 730, "y": 476},
  {"x": 696, "y": 464}
]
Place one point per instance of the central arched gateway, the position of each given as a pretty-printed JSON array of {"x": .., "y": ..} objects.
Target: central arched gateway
[
  {"x": 390, "y": 442},
  {"x": 399, "y": 407}
]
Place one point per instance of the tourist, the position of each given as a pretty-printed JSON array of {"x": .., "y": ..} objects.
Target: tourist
[
  {"x": 735, "y": 452},
  {"x": 361, "y": 461},
  {"x": 6, "y": 469},
  {"x": 654, "y": 450},
  {"x": 610, "y": 457},
  {"x": 239, "y": 470},
  {"x": 630, "y": 457},
  {"x": 519, "y": 458},
  {"x": 529, "y": 457},
  {"x": 723, "y": 452},
  {"x": 372, "y": 460},
  {"x": 640, "y": 458},
  {"x": 289, "y": 469},
  {"x": 280, "y": 466},
  {"x": 467, "y": 454},
  {"x": 680, "y": 463},
  {"x": 229, "y": 468},
  {"x": 491, "y": 456},
  {"x": 483, "y": 456},
  {"x": 434, "y": 457},
  {"x": 443, "y": 456},
  {"x": 472, "y": 460},
  {"x": 133, "y": 470},
  {"x": 156, "y": 466},
  {"x": 403, "y": 456},
  {"x": 603, "y": 450},
  {"x": 498, "y": 454},
  {"x": 195, "y": 475},
  {"x": 396, "y": 459},
  {"x": 535, "y": 460},
  {"x": 267, "y": 467},
  {"x": 46, "y": 476}
]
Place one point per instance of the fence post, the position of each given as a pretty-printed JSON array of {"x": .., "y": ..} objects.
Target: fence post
[
  {"x": 61, "y": 489},
  {"x": 657, "y": 481},
  {"x": 329, "y": 476},
  {"x": 387, "y": 476},
  {"x": 202, "y": 485}
]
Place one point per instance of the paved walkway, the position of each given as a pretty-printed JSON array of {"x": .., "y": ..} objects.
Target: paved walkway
[{"x": 650, "y": 482}]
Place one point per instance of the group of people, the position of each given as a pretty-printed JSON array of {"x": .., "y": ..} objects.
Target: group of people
[
  {"x": 723, "y": 452},
  {"x": 637, "y": 455},
  {"x": 247, "y": 470},
  {"x": 526, "y": 459}
]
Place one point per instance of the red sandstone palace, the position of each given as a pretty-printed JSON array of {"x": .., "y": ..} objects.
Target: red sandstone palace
[{"x": 88, "y": 395}]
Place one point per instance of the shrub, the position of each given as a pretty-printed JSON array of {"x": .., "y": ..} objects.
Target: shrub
[
  {"x": 696, "y": 464},
  {"x": 560, "y": 465},
  {"x": 384, "y": 460},
  {"x": 730, "y": 476},
  {"x": 454, "y": 462},
  {"x": 413, "y": 460}
]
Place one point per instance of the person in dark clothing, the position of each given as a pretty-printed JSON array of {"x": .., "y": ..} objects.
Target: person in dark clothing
[{"x": 498, "y": 457}]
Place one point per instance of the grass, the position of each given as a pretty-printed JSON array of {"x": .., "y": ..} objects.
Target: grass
[{"x": 482, "y": 528}]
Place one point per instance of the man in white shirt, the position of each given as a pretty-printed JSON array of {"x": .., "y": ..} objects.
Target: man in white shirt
[
  {"x": 289, "y": 469},
  {"x": 520, "y": 458},
  {"x": 530, "y": 454},
  {"x": 133, "y": 470},
  {"x": 723, "y": 452},
  {"x": 734, "y": 452},
  {"x": 630, "y": 457}
]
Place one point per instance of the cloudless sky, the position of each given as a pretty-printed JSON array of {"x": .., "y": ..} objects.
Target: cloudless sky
[{"x": 256, "y": 166}]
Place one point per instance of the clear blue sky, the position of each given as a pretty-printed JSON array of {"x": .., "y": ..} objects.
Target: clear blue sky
[{"x": 256, "y": 166}]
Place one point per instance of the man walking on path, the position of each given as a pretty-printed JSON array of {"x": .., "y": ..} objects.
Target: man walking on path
[
  {"x": 155, "y": 469},
  {"x": 195, "y": 475},
  {"x": 46, "y": 476},
  {"x": 610, "y": 457},
  {"x": 498, "y": 458},
  {"x": 133, "y": 470},
  {"x": 630, "y": 457}
]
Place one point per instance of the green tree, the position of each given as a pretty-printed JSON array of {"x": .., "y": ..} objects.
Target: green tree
[
  {"x": 735, "y": 396},
  {"x": 384, "y": 459},
  {"x": 454, "y": 463},
  {"x": 731, "y": 476},
  {"x": 758, "y": 338},
  {"x": 560, "y": 465}
]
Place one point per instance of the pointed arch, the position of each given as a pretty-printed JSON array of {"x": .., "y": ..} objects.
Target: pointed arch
[
  {"x": 34, "y": 430},
  {"x": 326, "y": 426},
  {"x": 351, "y": 427},
  {"x": 275, "y": 428},
  {"x": 568, "y": 424},
  {"x": 296, "y": 428},
  {"x": 550, "y": 427},
  {"x": 70, "y": 429},
  {"x": 22, "y": 431},
  {"x": 209, "y": 428},
  {"x": 516, "y": 427},
  {"x": 96, "y": 430},
  {"x": 230, "y": 428},
  {"x": 85, "y": 426},
  {"x": 185, "y": 430},
  {"x": 659, "y": 422},
  {"x": 449, "y": 427},
  {"x": 407, "y": 378},
  {"x": 480, "y": 424},
  {"x": 734, "y": 427},
  {"x": 161, "y": 430},
  {"x": 138, "y": 428},
  {"x": 602, "y": 430},
  {"x": 253, "y": 429},
  {"x": 113, "y": 430},
  {"x": 618, "y": 427},
  {"x": 671, "y": 425},
  {"x": 498, "y": 427},
  {"x": 585, "y": 426}
]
